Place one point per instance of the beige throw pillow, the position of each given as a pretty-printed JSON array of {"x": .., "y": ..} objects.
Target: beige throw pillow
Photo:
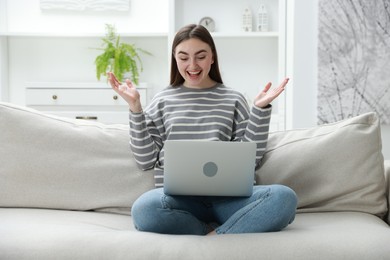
[
  {"x": 53, "y": 162},
  {"x": 334, "y": 167}
]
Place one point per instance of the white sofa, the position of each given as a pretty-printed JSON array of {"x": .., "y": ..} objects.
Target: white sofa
[{"x": 67, "y": 187}]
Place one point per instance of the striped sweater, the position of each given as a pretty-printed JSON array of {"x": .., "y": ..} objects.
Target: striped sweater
[{"x": 217, "y": 114}]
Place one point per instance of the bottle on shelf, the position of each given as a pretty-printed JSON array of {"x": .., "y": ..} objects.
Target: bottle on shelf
[
  {"x": 262, "y": 19},
  {"x": 247, "y": 20}
]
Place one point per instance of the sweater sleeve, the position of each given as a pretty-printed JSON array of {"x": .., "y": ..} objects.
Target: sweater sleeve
[
  {"x": 145, "y": 141},
  {"x": 257, "y": 129}
]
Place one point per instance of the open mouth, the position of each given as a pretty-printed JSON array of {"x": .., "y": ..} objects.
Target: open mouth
[{"x": 194, "y": 74}]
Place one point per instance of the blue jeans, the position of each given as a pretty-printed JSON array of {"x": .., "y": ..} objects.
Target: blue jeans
[{"x": 270, "y": 208}]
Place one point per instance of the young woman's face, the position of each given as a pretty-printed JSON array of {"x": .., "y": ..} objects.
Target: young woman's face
[{"x": 194, "y": 59}]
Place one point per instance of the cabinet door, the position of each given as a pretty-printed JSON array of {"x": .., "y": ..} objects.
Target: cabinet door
[
  {"x": 106, "y": 117},
  {"x": 96, "y": 104},
  {"x": 76, "y": 97}
]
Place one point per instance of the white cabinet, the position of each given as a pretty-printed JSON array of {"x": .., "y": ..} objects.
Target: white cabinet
[{"x": 80, "y": 101}]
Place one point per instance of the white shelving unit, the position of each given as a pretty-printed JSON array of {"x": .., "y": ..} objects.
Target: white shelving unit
[{"x": 248, "y": 60}]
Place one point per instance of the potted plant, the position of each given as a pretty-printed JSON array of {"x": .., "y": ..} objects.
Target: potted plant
[{"x": 118, "y": 57}]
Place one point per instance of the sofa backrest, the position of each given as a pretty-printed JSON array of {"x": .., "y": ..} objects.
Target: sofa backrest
[
  {"x": 333, "y": 167},
  {"x": 58, "y": 163}
]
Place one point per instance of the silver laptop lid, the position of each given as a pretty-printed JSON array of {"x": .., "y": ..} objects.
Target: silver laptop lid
[{"x": 209, "y": 168}]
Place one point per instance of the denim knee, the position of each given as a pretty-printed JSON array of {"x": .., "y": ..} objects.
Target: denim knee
[
  {"x": 153, "y": 212},
  {"x": 145, "y": 209},
  {"x": 287, "y": 201},
  {"x": 271, "y": 208}
]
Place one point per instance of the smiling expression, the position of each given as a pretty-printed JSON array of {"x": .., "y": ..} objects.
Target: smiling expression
[{"x": 194, "y": 58}]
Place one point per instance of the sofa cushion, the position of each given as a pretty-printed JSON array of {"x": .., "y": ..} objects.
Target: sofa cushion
[
  {"x": 55, "y": 234},
  {"x": 333, "y": 167},
  {"x": 53, "y": 162}
]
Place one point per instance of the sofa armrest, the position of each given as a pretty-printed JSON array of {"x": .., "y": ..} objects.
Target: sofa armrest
[{"x": 387, "y": 178}]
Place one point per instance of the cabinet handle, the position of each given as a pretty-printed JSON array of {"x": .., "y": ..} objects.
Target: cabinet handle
[
  {"x": 87, "y": 117},
  {"x": 54, "y": 97},
  {"x": 115, "y": 97}
]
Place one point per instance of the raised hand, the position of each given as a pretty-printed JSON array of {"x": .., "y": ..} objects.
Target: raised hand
[
  {"x": 127, "y": 91},
  {"x": 267, "y": 95}
]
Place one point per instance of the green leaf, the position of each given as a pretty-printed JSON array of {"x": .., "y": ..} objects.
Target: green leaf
[{"x": 118, "y": 57}]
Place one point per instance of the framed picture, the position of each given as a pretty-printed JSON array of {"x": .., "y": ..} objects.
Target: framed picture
[{"x": 353, "y": 59}]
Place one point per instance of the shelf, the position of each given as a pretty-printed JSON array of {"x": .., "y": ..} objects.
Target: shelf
[
  {"x": 82, "y": 35},
  {"x": 141, "y": 35},
  {"x": 244, "y": 34},
  {"x": 230, "y": 20}
]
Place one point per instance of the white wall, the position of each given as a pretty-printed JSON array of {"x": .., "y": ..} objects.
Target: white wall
[
  {"x": 304, "y": 106},
  {"x": 3, "y": 52},
  {"x": 4, "y": 95},
  {"x": 26, "y": 16}
]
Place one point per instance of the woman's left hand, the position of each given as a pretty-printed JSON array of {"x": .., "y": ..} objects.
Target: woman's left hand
[{"x": 265, "y": 97}]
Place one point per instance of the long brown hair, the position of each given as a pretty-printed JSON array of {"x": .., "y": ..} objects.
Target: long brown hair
[{"x": 201, "y": 33}]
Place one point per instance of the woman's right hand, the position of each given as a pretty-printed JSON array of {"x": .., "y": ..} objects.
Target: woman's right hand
[{"x": 127, "y": 91}]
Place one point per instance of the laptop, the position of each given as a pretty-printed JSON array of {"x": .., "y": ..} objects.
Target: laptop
[{"x": 209, "y": 168}]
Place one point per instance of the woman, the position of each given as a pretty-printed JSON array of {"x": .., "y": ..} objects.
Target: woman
[{"x": 198, "y": 106}]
